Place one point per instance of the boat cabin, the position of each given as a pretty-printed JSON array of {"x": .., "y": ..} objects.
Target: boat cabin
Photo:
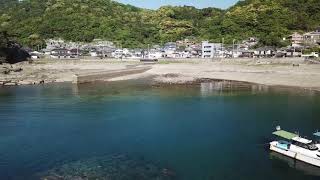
[
  {"x": 304, "y": 143},
  {"x": 294, "y": 139}
]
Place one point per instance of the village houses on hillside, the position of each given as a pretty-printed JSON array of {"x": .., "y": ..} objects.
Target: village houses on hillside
[{"x": 187, "y": 48}]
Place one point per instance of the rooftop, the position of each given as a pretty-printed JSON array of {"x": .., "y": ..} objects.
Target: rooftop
[
  {"x": 302, "y": 140},
  {"x": 285, "y": 134},
  {"x": 311, "y": 33}
]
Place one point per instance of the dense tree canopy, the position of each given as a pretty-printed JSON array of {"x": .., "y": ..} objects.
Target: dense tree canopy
[{"x": 32, "y": 21}]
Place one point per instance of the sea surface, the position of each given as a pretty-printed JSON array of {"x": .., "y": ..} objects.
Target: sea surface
[{"x": 209, "y": 131}]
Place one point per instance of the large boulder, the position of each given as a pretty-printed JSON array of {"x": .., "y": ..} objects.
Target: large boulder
[{"x": 13, "y": 54}]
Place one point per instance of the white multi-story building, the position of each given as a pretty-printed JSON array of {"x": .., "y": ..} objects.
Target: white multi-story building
[{"x": 210, "y": 50}]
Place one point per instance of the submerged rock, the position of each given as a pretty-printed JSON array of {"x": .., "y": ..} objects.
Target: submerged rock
[{"x": 118, "y": 167}]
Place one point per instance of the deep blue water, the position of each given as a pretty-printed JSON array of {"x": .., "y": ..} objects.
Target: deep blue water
[{"x": 200, "y": 132}]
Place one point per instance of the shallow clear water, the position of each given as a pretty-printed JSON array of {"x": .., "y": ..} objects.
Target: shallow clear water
[{"x": 199, "y": 132}]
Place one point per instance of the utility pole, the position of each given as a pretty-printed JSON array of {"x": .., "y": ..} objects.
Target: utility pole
[
  {"x": 77, "y": 51},
  {"x": 233, "y": 48},
  {"x": 222, "y": 47},
  {"x": 148, "y": 51},
  {"x": 238, "y": 46},
  {"x": 103, "y": 51},
  {"x": 222, "y": 44}
]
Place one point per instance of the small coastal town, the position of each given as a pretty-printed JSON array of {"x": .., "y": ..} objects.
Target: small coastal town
[{"x": 300, "y": 45}]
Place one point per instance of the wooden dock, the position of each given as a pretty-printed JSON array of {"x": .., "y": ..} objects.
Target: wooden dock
[{"x": 105, "y": 75}]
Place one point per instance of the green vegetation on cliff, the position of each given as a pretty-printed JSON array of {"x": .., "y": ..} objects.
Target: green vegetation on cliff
[{"x": 32, "y": 21}]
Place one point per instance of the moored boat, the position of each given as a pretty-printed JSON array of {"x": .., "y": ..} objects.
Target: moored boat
[{"x": 296, "y": 147}]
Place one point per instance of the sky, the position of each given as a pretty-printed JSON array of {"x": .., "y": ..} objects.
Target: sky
[{"x": 155, "y": 4}]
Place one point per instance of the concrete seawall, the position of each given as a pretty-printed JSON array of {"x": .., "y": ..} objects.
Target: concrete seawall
[{"x": 105, "y": 75}]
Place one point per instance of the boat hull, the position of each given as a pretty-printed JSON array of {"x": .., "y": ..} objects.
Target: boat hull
[
  {"x": 296, "y": 155},
  {"x": 282, "y": 151}
]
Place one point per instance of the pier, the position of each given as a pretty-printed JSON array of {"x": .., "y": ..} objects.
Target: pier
[{"x": 105, "y": 75}]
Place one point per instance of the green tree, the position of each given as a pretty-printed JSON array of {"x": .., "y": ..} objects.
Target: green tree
[{"x": 84, "y": 20}]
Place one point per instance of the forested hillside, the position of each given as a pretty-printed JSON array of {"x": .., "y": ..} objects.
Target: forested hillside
[{"x": 32, "y": 21}]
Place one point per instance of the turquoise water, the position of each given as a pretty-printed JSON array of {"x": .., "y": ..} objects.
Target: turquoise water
[{"x": 209, "y": 131}]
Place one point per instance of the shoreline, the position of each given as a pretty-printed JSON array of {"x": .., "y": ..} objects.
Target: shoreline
[
  {"x": 270, "y": 72},
  {"x": 231, "y": 84}
]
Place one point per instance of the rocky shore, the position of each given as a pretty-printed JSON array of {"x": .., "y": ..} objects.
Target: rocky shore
[
  {"x": 277, "y": 72},
  {"x": 51, "y": 71}
]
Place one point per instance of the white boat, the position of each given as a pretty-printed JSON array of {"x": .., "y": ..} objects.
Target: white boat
[{"x": 296, "y": 147}]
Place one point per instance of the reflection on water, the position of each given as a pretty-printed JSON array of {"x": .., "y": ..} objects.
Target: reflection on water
[
  {"x": 225, "y": 87},
  {"x": 296, "y": 164},
  {"x": 140, "y": 86},
  {"x": 210, "y": 87},
  {"x": 204, "y": 89},
  {"x": 255, "y": 88},
  {"x": 230, "y": 87}
]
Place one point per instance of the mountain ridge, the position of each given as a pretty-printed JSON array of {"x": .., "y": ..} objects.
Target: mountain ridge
[{"x": 32, "y": 21}]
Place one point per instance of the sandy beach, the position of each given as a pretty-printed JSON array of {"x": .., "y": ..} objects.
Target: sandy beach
[{"x": 279, "y": 72}]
